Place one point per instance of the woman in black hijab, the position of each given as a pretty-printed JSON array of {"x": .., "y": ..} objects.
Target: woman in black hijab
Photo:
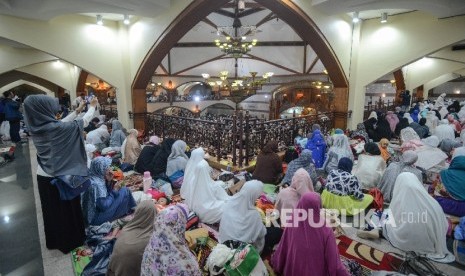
[
  {"x": 160, "y": 160},
  {"x": 383, "y": 130},
  {"x": 60, "y": 151},
  {"x": 403, "y": 123}
]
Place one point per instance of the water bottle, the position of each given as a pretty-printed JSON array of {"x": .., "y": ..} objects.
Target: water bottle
[{"x": 147, "y": 181}]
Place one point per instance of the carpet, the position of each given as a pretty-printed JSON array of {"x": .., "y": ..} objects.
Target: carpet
[{"x": 368, "y": 257}]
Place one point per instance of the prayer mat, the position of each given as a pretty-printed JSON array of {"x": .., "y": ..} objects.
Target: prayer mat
[
  {"x": 367, "y": 256},
  {"x": 80, "y": 258}
]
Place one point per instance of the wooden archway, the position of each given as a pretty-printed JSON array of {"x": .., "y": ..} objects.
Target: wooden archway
[{"x": 289, "y": 12}]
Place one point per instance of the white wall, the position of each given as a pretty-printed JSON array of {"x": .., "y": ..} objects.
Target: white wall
[{"x": 21, "y": 82}]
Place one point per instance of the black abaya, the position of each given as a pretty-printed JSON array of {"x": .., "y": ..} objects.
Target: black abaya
[{"x": 63, "y": 220}]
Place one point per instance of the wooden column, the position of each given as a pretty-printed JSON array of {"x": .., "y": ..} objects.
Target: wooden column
[
  {"x": 139, "y": 105},
  {"x": 400, "y": 85},
  {"x": 341, "y": 103}
]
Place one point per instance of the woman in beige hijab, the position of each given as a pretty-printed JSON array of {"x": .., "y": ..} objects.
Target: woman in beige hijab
[
  {"x": 129, "y": 247},
  {"x": 132, "y": 148}
]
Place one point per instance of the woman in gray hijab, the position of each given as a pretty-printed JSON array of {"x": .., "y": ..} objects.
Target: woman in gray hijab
[
  {"x": 406, "y": 164},
  {"x": 117, "y": 135},
  {"x": 60, "y": 151},
  {"x": 447, "y": 145}
]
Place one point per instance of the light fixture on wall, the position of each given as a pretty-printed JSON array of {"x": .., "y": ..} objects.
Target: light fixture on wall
[
  {"x": 384, "y": 16},
  {"x": 99, "y": 19},
  {"x": 355, "y": 17},
  {"x": 205, "y": 76},
  {"x": 126, "y": 19}
]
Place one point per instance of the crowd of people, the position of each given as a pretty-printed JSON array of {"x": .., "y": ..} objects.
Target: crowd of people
[{"x": 415, "y": 166}]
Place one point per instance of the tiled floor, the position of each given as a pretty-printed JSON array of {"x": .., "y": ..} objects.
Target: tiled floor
[{"x": 19, "y": 236}]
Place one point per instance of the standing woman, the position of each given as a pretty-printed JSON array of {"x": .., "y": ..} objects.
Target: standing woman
[{"x": 60, "y": 151}]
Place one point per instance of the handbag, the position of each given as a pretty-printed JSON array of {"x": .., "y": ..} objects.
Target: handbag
[
  {"x": 243, "y": 262},
  {"x": 71, "y": 186}
]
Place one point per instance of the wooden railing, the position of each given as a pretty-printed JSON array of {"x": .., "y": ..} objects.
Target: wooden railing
[
  {"x": 238, "y": 138},
  {"x": 380, "y": 105},
  {"x": 109, "y": 110}
]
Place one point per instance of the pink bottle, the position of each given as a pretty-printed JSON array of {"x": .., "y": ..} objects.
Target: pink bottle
[{"x": 147, "y": 181}]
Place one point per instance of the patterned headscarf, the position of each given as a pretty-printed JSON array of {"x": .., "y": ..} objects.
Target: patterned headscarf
[
  {"x": 167, "y": 252},
  {"x": 361, "y": 132},
  {"x": 304, "y": 161}
]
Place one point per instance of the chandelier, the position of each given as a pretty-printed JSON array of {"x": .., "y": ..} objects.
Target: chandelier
[
  {"x": 235, "y": 47},
  {"x": 244, "y": 86}
]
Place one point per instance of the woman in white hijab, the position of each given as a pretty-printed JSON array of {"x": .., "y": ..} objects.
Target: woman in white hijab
[
  {"x": 429, "y": 155},
  {"x": 177, "y": 160},
  {"x": 339, "y": 149},
  {"x": 440, "y": 101},
  {"x": 241, "y": 220},
  {"x": 187, "y": 187},
  {"x": 409, "y": 118},
  {"x": 98, "y": 136},
  {"x": 444, "y": 131},
  {"x": 432, "y": 121},
  {"x": 208, "y": 197},
  {"x": 417, "y": 222}
]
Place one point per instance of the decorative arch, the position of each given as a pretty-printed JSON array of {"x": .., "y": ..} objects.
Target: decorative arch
[
  {"x": 14, "y": 75},
  {"x": 198, "y": 10}
]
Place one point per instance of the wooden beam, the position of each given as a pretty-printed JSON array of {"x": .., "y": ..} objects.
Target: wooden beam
[
  {"x": 250, "y": 12},
  {"x": 265, "y": 19},
  {"x": 232, "y": 5},
  {"x": 209, "y": 22},
  {"x": 169, "y": 62},
  {"x": 259, "y": 44},
  {"x": 272, "y": 63},
  {"x": 225, "y": 13},
  {"x": 164, "y": 69},
  {"x": 198, "y": 64},
  {"x": 305, "y": 59},
  {"x": 312, "y": 65}
]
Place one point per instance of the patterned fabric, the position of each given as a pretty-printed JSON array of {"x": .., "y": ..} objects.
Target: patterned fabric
[
  {"x": 167, "y": 252},
  {"x": 98, "y": 187},
  {"x": 304, "y": 161},
  {"x": 343, "y": 183},
  {"x": 360, "y": 132}
]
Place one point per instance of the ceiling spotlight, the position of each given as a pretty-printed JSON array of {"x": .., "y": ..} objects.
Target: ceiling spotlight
[
  {"x": 355, "y": 17},
  {"x": 99, "y": 20},
  {"x": 126, "y": 19},
  {"x": 384, "y": 16}
]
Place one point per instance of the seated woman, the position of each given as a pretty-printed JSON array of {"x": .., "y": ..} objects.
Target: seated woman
[
  {"x": 448, "y": 146},
  {"x": 117, "y": 135},
  {"x": 403, "y": 123},
  {"x": 98, "y": 137},
  {"x": 289, "y": 197},
  {"x": 208, "y": 197},
  {"x": 452, "y": 191},
  {"x": 425, "y": 234},
  {"x": 383, "y": 148},
  {"x": 102, "y": 202},
  {"x": 240, "y": 220},
  {"x": 268, "y": 168},
  {"x": 406, "y": 164},
  {"x": 132, "y": 148},
  {"x": 304, "y": 161},
  {"x": 317, "y": 145},
  {"x": 176, "y": 164},
  {"x": 444, "y": 131},
  {"x": 315, "y": 241},
  {"x": 339, "y": 149},
  {"x": 167, "y": 252},
  {"x": 392, "y": 119},
  {"x": 360, "y": 133},
  {"x": 127, "y": 253},
  {"x": 147, "y": 154},
  {"x": 157, "y": 165},
  {"x": 187, "y": 188},
  {"x": 342, "y": 190},
  {"x": 370, "y": 167},
  {"x": 420, "y": 128}
]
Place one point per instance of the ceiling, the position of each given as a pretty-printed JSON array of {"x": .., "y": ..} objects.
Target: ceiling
[{"x": 286, "y": 54}]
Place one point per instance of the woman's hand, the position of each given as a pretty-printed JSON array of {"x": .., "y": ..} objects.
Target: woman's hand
[
  {"x": 94, "y": 102},
  {"x": 80, "y": 107}
]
